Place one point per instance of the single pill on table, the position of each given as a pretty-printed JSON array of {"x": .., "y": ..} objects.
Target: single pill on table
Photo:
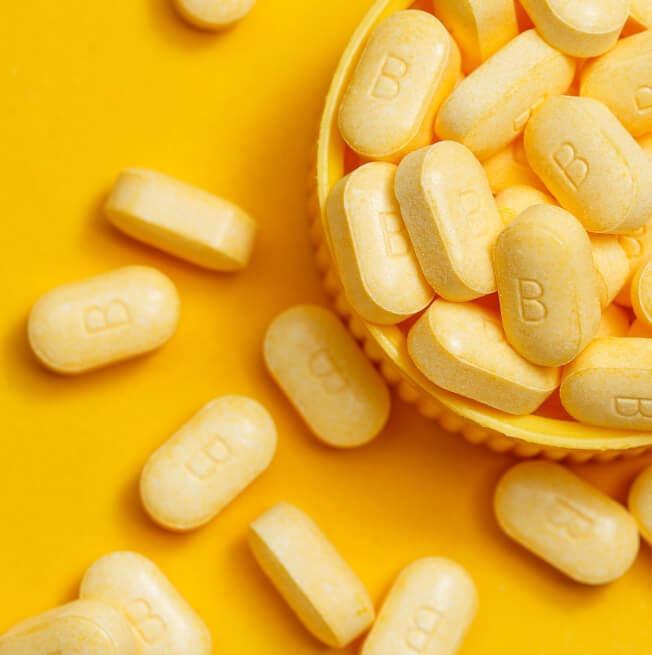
[
  {"x": 181, "y": 219},
  {"x": 509, "y": 168},
  {"x": 160, "y": 617},
  {"x": 409, "y": 65},
  {"x": 462, "y": 348},
  {"x": 640, "y": 503},
  {"x": 566, "y": 522},
  {"x": 428, "y": 610},
  {"x": 638, "y": 247},
  {"x": 104, "y": 319},
  {"x": 219, "y": 452},
  {"x": 492, "y": 106},
  {"x": 615, "y": 322},
  {"x": 641, "y": 290},
  {"x": 612, "y": 265},
  {"x": 213, "y": 14},
  {"x": 516, "y": 199},
  {"x": 451, "y": 217},
  {"x": 311, "y": 575},
  {"x": 375, "y": 259},
  {"x": 323, "y": 372}
]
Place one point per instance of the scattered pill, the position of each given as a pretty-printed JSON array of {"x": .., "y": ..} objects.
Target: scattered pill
[
  {"x": 615, "y": 322},
  {"x": 638, "y": 247},
  {"x": 612, "y": 265},
  {"x": 640, "y": 503},
  {"x": 641, "y": 290},
  {"x": 509, "y": 168},
  {"x": 514, "y": 200},
  {"x": 213, "y": 14}
]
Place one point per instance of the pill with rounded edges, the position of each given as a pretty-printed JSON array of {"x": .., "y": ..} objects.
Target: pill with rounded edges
[
  {"x": 615, "y": 322},
  {"x": 428, "y": 610},
  {"x": 462, "y": 348},
  {"x": 639, "y": 329},
  {"x": 323, "y": 372},
  {"x": 509, "y": 168},
  {"x": 638, "y": 247},
  {"x": 610, "y": 384},
  {"x": 641, "y": 290},
  {"x": 104, "y": 319},
  {"x": 376, "y": 261},
  {"x": 161, "y": 618},
  {"x": 219, "y": 452},
  {"x": 213, "y": 14},
  {"x": 181, "y": 219},
  {"x": 516, "y": 199},
  {"x": 82, "y": 627},
  {"x": 492, "y": 106},
  {"x": 409, "y": 65},
  {"x": 451, "y": 217},
  {"x": 566, "y": 522},
  {"x": 640, "y": 502},
  {"x": 590, "y": 163},
  {"x": 313, "y": 578},
  {"x": 611, "y": 264},
  {"x": 640, "y": 15}
]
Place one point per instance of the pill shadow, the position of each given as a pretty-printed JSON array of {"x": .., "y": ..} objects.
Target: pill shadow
[{"x": 166, "y": 21}]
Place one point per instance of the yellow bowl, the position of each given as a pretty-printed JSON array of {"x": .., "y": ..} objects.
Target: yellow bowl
[{"x": 526, "y": 436}]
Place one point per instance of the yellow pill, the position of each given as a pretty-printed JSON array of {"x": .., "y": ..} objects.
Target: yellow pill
[
  {"x": 640, "y": 503},
  {"x": 374, "y": 256},
  {"x": 462, "y": 348},
  {"x": 641, "y": 290},
  {"x": 428, "y": 610},
  {"x": 480, "y": 27},
  {"x": 591, "y": 164},
  {"x": 409, "y": 65},
  {"x": 548, "y": 289},
  {"x": 516, "y": 199},
  {"x": 492, "y": 106},
  {"x": 102, "y": 320},
  {"x": 610, "y": 384},
  {"x": 638, "y": 247},
  {"x": 334, "y": 387},
  {"x": 639, "y": 329},
  {"x": 566, "y": 522},
  {"x": 640, "y": 15},
  {"x": 213, "y": 14},
  {"x": 79, "y": 628},
  {"x": 451, "y": 217},
  {"x": 160, "y": 617},
  {"x": 611, "y": 264},
  {"x": 509, "y": 168},
  {"x": 615, "y": 322},
  {"x": 181, "y": 219},
  {"x": 208, "y": 462}
]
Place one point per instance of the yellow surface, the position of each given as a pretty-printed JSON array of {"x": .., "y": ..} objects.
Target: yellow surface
[{"x": 90, "y": 88}]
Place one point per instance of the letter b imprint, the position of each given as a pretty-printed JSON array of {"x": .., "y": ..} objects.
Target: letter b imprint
[{"x": 388, "y": 83}]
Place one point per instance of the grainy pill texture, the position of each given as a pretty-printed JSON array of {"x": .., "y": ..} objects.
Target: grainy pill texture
[
  {"x": 640, "y": 503},
  {"x": 428, "y": 610},
  {"x": 492, "y": 106},
  {"x": 516, "y": 199},
  {"x": 611, "y": 264},
  {"x": 213, "y": 14},
  {"x": 615, "y": 322},
  {"x": 566, "y": 522},
  {"x": 462, "y": 348},
  {"x": 591, "y": 164},
  {"x": 409, "y": 65},
  {"x": 162, "y": 620},
  {"x": 326, "y": 376},
  {"x": 641, "y": 291},
  {"x": 376, "y": 261},
  {"x": 610, "y": 384},
  {"x": 509, "y": 167},
  {"x": 208, "y": 462},
  {"x": 102, "y": 320},
  {"x": 451, "y": 217},
  {"x": 79, "y": 628},
  {"x": 311, "y": 575},
  {"x": 637, "y": 246},
  {"x": 181, "y": 219}
]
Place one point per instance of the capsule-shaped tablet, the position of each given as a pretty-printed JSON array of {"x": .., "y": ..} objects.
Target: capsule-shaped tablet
[
  {"x": 516, "y": 199},
  {"x": 591, "y": 164},
  {"x": 566, "y": 522},
  {"x": 640, "y": 503},
  {"x": 548, "y": 289},
  {"x": 428, "y": 610},
  {"x": 102, "y": 320},
  {"x": 492, "y": 106},
  {"x": 162, "y": 620},
  {"x": 83, "y": 627},
  {"x": 334, "y": 387},
  {"x": 376, "y": 261},
  {"x": 462, "y": 348},
  {"x": 611, "y": 264},
  {"x": 208, "y": 462},
  {"x": 610, "y": 384},
  {"x": 213, "y": 14},
  {"x": 409, "y": 65},
  {"x": 306, "y": 569},
  {"x": 638, "y": 247},
  {"x": 641, "y": 290},
  {"x": 614, "y": 323},
  {"x": 509, "y": 167},
  {"x": 451, "y": 217},
  {"x": 181, "y": 219}
]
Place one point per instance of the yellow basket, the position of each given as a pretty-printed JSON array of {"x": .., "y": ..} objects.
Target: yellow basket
[{"x": 525, "y": 436}]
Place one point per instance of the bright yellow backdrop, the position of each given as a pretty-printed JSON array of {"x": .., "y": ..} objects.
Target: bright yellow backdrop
[{"x": 91, "y": 87}]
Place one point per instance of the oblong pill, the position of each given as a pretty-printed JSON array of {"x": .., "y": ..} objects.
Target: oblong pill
[
  {"x": 509, "y": 167},
  {"x": 161, "y": 618},
  {"x": 492, "y": 106},
  {"x": 514, "y": 200},
  {"x": 208, "y": 462},
  {"x": 611, "y": 264},
  {"x": 306, "y": 569},
  {"x": 462, "y": 348},
  {"x": 409, "y": 65},
  {"x": 566, "y": 522},
  {"x": 428, "y": 610},
  {"x": 615, "y": 322},
  {"x": 213, "y": 14},
  {"x": 610, "y": 384},
  {"x": 591, "y": 164},
  {"x": 640, "y": 503},
  {"x": 376, "y": 261},
  {"x": 334, "y": 387},
  {"x": 104, "y": 319},
  {"x": 82, "y": 627},
  {"x": 641, "y": 291},
  {"x": 181, "y": 219},
  {"x": 638, "y": 247},
  {"x": 451, "y": 217}
]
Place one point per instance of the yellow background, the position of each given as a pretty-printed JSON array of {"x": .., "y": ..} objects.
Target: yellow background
[{"x": 88, "y": 88}]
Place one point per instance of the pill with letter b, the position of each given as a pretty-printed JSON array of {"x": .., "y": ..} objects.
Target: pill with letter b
[{"x": 213, "y": 14}]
